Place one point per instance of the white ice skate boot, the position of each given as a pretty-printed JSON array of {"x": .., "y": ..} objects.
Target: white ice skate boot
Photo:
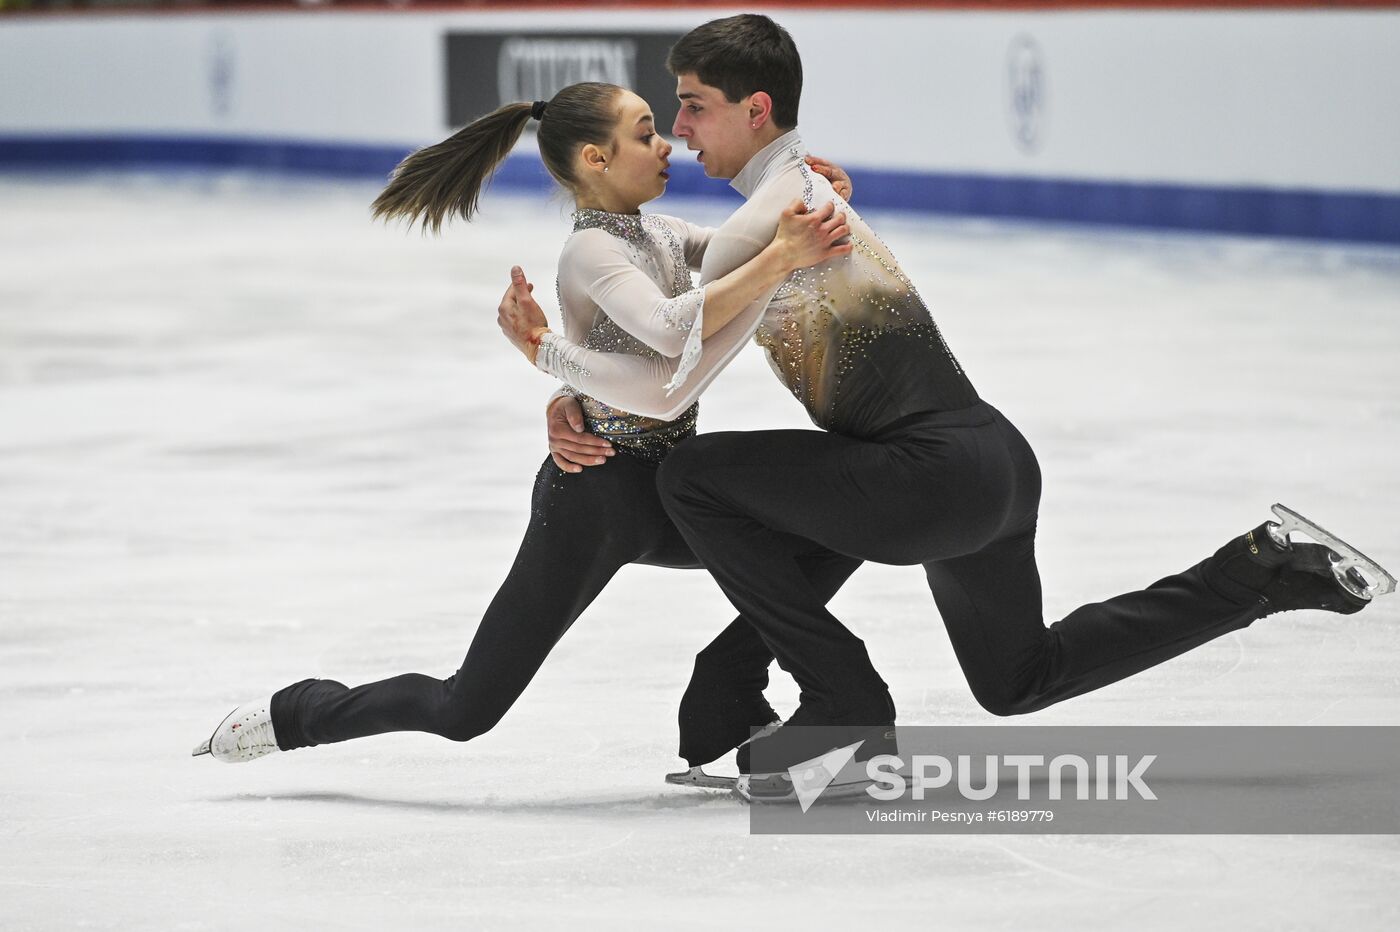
[{"x": 246, "y": 734}]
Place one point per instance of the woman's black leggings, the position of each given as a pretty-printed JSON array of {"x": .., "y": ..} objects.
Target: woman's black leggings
[
  {"x": 583, "y": 529},
  {"x": 957, "y": 492}
]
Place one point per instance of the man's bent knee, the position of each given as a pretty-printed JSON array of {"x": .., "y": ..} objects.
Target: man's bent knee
[{"x": 1005, "y": 704}]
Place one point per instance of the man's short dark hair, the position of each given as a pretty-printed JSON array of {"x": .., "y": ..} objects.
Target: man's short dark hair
[{"x": 742, "y": 55}]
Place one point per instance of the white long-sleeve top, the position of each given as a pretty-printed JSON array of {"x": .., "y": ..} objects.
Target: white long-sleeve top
[
  {"x": 851, "y": 338},
  {"x": 626, "y": 293}
]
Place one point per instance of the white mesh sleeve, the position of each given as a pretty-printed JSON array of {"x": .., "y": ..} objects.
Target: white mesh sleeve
[{"x": 598, "y": 264}]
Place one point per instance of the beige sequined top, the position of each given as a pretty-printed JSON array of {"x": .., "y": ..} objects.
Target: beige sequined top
[{"x": 851, "y": 339}]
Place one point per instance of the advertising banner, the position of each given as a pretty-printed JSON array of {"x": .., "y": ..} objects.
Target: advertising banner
[{"x": 488, "y": 69}]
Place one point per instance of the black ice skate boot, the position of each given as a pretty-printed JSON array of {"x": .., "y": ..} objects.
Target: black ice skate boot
[
  {"x": 878, "y": 709},
  {"x": 1269, "y": 566},
  {"x": 719, "y": 711},
  {"x": 693, "y": 739},
  {"x": 809, "y": 757}
]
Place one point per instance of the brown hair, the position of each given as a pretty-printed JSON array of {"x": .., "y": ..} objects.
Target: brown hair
[
  {"x": 742, "y": 55},
  {"x": 446, "y": 179}
]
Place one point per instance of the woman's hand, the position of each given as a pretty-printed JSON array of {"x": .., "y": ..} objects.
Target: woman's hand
[
  {"x": 807, "y": 238},
  {"x": 520, "y": 318},
  {"x": 840, "y": 181}
]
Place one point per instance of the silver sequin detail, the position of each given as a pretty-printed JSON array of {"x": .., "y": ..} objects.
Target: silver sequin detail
[
  {"x": 694, "y": 345},
  {"x": 806, "y": 177},
  {"x": 648, "y": 438},
  {"x": 551, "y": 359},
  {"x": 624, "y": 226},
  {"x": 642, "y": 231},
  {"x": 817, "y": 333},
  {"x": 681, "y": 280}
]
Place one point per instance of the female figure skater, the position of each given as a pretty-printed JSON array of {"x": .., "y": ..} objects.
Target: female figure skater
[{"x": 625, "y": 289}]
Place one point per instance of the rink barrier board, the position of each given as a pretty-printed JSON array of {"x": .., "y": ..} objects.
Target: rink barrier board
[
  {"x": 1271, "y": 123},
  {"x": 1321, "y": 215},
  {"x": 1313, "y": 122}
]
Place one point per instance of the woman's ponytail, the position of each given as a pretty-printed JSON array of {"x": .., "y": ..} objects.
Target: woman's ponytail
[{"x": 434, "y": 183}]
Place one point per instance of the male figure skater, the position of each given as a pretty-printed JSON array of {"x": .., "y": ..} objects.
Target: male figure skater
[{"x": 912, "y": 467}]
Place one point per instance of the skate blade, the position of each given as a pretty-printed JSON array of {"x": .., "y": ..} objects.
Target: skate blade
[
  {"x": 779, "y": 789},
  {"x": 697, "y": 777},
  {"x": 206, "y": 746},
  {"x": 1350, "y": 562}
]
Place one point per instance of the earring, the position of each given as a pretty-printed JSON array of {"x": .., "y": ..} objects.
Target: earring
[{"x": 605, "y": 169}]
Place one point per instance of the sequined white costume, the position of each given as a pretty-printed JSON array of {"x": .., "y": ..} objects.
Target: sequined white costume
[
  {"x": 851, "y": 339},
  {"x": 626, "y": 293}
]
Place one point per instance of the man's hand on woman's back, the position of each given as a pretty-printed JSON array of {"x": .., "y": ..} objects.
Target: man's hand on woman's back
[{"x": 570, "y": 445}]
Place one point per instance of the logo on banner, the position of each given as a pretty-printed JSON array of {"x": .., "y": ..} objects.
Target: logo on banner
[
  {"x": 1027, "y": 96},
  {"x": 535, "y": 69},
  {"x": 488, "y": 70}
]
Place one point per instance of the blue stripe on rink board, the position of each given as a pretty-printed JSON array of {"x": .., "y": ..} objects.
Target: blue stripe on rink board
[
  {"x": 1361, "y": 216},
  {"x": 96, "y": 152},
  {"x": 1354, "y": 216}
]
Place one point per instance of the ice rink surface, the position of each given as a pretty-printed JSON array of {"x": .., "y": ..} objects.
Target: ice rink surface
[{"x": 246, "y": 436}]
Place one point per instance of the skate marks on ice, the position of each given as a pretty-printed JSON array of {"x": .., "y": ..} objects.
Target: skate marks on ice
[{"x": 622, "y": 806}]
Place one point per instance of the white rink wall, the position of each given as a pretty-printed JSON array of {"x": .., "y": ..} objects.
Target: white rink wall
[{"x": 947, "y": 110}]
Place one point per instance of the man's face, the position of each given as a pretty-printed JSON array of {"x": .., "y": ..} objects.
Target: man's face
[{"x": 714, "y": 127}]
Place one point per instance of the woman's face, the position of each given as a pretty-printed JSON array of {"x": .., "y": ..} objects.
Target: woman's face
[{"x": 639, "y": 163}]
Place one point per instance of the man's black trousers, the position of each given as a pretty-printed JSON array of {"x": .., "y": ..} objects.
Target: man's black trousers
[{"x": 957, "y": 492}]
